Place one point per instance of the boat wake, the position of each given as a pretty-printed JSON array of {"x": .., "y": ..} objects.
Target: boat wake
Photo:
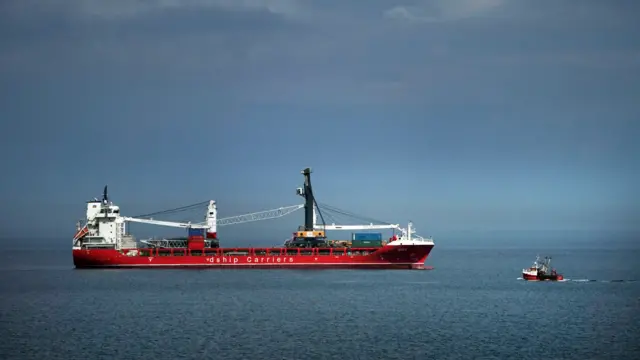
[{"x": 590, "y": 280}]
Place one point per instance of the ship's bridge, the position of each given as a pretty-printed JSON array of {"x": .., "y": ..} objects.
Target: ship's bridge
[
  {"x": 110, "y": 211},
  {"x": 97, "y": 209}
]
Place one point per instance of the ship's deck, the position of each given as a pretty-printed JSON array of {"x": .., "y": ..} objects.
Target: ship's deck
[{"x": 256, "y": 251}]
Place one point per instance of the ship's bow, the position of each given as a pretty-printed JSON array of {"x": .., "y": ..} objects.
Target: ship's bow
[{"x": 412, "y": 256}]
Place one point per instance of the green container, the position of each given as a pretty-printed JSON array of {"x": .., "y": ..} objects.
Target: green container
[{"x": 366, "y": 243}]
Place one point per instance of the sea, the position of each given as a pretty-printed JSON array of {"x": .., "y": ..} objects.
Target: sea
[{"x": 473, "y": 305}]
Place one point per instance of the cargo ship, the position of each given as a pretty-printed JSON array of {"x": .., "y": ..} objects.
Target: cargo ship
[
  {"x": 539, "y": 271},
  {"x": 102, "y": 241}
]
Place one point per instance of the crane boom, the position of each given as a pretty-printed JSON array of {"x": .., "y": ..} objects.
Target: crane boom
[
  {"x": 369, "y": 226},
  {"x": 355, "y": 227},
  {"x": 238, "y": 219},
  {"x": 165, "y": 223},
  {"x": 261, "y": 215}
]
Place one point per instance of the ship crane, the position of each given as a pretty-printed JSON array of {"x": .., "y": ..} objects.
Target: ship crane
[
  {"x": 232, "y": 220},
  {"x": 313, "y": 233},
  {"x": 210, "y": 224},
  {"x": 164, "y": 223},
  {"x": 356, "y": 227},
  {"x": 407, "y": 234}
]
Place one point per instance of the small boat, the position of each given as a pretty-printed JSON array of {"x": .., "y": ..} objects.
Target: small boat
[{"x": 539, "y": 271}]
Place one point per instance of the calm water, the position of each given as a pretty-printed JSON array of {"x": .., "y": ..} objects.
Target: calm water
[{"x": 471, "y": 306}]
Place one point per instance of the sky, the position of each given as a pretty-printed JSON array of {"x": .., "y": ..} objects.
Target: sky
[{"x": 468, "y": 115}]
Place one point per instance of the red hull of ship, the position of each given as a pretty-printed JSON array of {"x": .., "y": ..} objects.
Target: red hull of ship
[
  {"x": 528, "y": 277},
  {"x": 387, "y": 257}
]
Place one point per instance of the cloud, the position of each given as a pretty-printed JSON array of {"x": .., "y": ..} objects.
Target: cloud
[
  {"x": 584, "y": 59},
  {"x": 128, "y": 8},
  {"x": 442, "y": 10},
  {"x": 329, "y": 51},
  {"x": 166, "y": 36}
]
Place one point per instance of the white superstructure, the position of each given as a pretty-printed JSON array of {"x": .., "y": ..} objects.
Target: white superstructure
[{"x": 104, "y": 227}]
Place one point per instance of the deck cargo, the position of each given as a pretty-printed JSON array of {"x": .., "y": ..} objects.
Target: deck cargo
[
  {"x": 366, "y": 243},
  {"x": 366, "y": 236}
]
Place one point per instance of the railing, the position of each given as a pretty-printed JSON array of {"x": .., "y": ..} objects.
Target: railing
[
  {"x": 421, "y": 239},
  {"x": 266, "y": 252},
  {"x": 417, "y": 239}
]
